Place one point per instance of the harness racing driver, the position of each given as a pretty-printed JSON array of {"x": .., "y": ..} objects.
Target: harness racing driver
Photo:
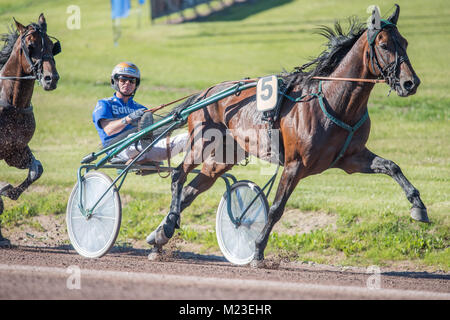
[{"x": 115, "y": 116}]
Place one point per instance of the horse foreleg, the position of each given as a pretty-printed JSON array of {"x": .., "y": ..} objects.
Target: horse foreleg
[
  {"x": 22, "y": 159},
  {"x": 289, "y": 179},
  {"x": 3, "y": 241},
  {"x": 368, "y": 162},
  {"x": 35, "y": 171}
]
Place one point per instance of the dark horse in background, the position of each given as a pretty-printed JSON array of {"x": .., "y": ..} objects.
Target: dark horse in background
[
  {"x": 311, "y": 141},
  {"x": 26, "y": 56}
]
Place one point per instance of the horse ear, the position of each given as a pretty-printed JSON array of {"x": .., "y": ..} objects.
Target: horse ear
[
  {"x": 19, "y": 26},
  {"x": 42, "y": 22},
  {"x": 394, "y": 17},
  {"x": 375, "y": 19}
]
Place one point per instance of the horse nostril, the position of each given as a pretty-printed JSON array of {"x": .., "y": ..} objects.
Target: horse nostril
[
  {"x": 408, "y": 85},
  {"x": 47, "y": 78}
]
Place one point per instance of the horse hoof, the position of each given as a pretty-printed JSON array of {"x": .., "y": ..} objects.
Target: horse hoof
[
  {"x": 9, "y": 191},
  {"x": 5, "y": 243},
  {"x": 164, "y": 231},
  {"x": 257, "y": 264},
  {"x": 419, "y": 214},
  {"x": 157, "y": 237},
  {"x": 5, "y": 188},
  {"x": 155, "y": 254}
]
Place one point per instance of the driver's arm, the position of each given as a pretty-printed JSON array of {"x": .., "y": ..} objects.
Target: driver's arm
[{"x": 113, "y": 126}]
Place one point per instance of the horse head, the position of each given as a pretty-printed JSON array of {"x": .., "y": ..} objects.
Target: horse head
[
  {"x": 388, "y": 57},
  {"x": 38, "y": 52}
]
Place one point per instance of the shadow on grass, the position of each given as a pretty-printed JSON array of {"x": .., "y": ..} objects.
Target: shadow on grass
[{"x": 240, "y": 11}]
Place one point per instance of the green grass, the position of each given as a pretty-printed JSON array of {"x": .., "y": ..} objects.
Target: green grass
[{"x": 373, "y": 224}]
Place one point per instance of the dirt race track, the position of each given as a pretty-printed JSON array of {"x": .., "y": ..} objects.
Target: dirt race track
[{"x": 28, "y": 272}]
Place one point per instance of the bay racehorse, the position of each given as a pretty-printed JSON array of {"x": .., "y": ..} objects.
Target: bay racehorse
[
  {"x": 316, "y": 119},
  {"x": 26, "y": 56}
]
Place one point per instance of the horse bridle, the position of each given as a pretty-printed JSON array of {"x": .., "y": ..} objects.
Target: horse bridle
[
  {"x": 37, "y": 67},
  {"x": 389, "y": 71}
]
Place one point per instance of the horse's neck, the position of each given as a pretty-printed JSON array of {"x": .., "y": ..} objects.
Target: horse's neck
[
  {"x": 15, "y": 92},
  {"x": 347, "y": 98}
]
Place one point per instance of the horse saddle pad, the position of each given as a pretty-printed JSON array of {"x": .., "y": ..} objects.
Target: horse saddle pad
[{"x": 267, "y": 93}]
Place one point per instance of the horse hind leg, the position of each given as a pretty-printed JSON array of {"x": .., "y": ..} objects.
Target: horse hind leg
[
  {"x": 162, "y": 234},
  {"x": 180, "y": 197},
  {"x": 212, "y": 169},
  {"x": 209, "y": 174},
  {"x": 202, "y": 182}
]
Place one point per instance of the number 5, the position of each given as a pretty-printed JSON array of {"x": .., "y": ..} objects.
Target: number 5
[
  {"x": 266, "y": 85},
  {"x": 267, "y": 93}
]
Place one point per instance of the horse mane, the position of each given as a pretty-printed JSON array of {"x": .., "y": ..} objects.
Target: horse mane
[
  {"x": 338, "y": 45},
  {"x": 9, "y": 40}
]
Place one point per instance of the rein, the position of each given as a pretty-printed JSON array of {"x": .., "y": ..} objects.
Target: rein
[
  {"x": 19, "y": 78},
  {"x": 168, "y": 104},
  {"x": 350, "y": 79}
]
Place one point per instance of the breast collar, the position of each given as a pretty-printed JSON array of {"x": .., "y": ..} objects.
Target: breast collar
[{"x": 5, "y": 105}]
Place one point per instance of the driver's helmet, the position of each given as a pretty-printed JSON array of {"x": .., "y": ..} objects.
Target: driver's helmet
[{"x": 125, "y": 69}]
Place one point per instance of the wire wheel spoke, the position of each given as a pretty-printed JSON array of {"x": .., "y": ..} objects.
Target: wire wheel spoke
[
  {"x": 93, "y": 237},
  {"x": 237, "y": 241}
]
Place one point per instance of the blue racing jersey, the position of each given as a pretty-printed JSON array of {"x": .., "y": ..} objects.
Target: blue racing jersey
[{"x": 113, "y": 108}]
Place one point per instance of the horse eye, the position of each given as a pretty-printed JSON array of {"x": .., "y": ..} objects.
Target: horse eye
[{"x": 383, "y": 45}]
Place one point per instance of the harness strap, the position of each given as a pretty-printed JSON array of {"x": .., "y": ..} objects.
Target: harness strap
[
  {"x": 351, "y": 129},
  {"x": 7, "y": 106},
  {"x": 168, "y": 158},
  {"x": 340, "y": 123},
  {"x": 18, "y": 78},
  {"x": 168, "y": 148}
]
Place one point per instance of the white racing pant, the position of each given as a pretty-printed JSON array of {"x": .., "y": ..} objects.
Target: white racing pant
[{"x": 158, "y": 152}]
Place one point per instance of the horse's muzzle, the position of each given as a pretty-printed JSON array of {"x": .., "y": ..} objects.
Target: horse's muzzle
[
  {"x": 408, "y": 86},
  {"x": 49, "y": 81}
]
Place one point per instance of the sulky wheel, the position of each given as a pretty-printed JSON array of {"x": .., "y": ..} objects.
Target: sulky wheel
[
  {"x": 94, "y": 236},
  {"x": 237, "y": 238}
]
